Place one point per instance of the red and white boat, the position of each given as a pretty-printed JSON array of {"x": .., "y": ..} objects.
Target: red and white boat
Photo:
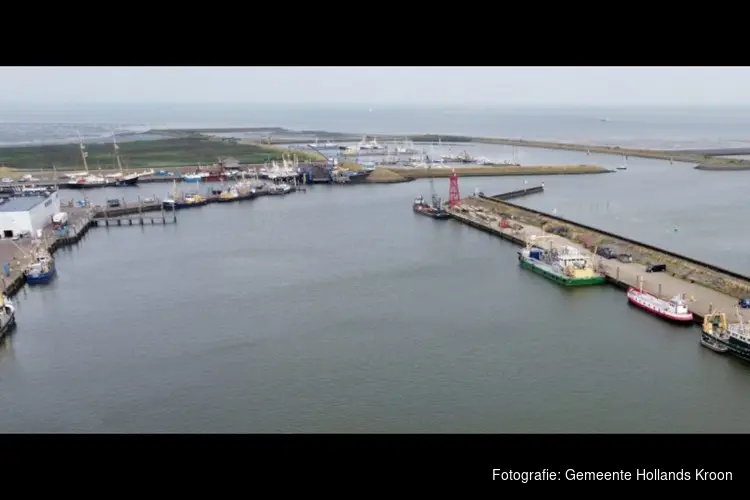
[{"x": 674, "y": 309}]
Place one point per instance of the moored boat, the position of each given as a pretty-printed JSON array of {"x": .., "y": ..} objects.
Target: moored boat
[
  {"x": 675, "y": 309},
  {"x": 735, "y": 337},
  {"x": 711, "y": 343},
  {"x": 436, "y": 210},
  {"x": 566, "y": 265},
  {"x": 41, "y": 270},
  {"x": 178, "y": 200},
  {"x": 7, "y": 315}
]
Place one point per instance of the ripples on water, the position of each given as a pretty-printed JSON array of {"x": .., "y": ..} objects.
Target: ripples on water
[{"x": 340, "y": 310}]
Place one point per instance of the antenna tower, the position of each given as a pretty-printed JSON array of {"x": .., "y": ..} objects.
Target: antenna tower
[{"x": 454, "y": 196}]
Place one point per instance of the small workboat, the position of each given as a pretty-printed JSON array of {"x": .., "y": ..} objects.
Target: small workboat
[{"x": 711, "y": 343}]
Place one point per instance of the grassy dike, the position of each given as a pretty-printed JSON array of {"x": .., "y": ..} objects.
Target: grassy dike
[{"x": 178, "y": 150}]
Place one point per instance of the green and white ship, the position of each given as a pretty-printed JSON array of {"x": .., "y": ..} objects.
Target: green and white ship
[{"x": 565, "y": 265}]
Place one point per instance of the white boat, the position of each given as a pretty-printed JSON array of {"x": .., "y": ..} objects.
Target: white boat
[
  {"x": 624, "y": 165},
  {"x": 85, "y": 179},
  {"x": 675, "y": 309},
  {"x": 7, "y": 315}
]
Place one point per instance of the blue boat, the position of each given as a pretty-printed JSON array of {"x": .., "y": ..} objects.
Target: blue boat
[{"x": 42, "y": 270}]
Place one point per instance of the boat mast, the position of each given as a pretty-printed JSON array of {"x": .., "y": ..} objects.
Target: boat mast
[
  {"x": 84, "y": 153},
  {"x": 117, "y": 151}
]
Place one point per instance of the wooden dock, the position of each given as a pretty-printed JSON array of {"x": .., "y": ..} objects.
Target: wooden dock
[
  {"x": 139, "y": 220},
  {"x": 703, "y": 300}
]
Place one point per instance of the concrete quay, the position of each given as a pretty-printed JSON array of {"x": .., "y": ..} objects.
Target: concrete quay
[
  {"x": 18, "y": 253},
  {"x": 478, "y": 213}
]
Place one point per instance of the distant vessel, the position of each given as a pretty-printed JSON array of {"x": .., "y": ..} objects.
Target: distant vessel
[
  {"x": 624, "y": 165},
  {"x": 566, "y": 265},
  {"x": 41, "y": 270},
  {"x": 7, "y": 315},
  {"x": 735, "y": 337},
  {"x": 675, "y": 309}
]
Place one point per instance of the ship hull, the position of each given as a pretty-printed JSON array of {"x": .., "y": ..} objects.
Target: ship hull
[
  {"x": 41, "y": 278},
  {"x": 734, "y": 347},
  {"x": 88, "y": 185},
  {"x": 10, "y": 323},
  {"x": 560, "y": 278},
  {"x": 181, "y": 205},
  {"x": 241, "y": 197},
  {"x": 684, "y": 319},
  {"x": 127, "y": 182},
  {"x": 431, "y": 212},
  {"x": 714, "y": 344}
]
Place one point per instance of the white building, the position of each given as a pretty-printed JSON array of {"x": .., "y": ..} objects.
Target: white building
[{"x": 27, "y": 214}]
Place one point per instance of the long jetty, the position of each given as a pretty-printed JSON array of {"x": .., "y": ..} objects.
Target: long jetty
[{"x": 710, "y": 287}]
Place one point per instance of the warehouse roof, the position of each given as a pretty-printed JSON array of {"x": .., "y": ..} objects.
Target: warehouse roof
[{"x": 21, "y": 204}]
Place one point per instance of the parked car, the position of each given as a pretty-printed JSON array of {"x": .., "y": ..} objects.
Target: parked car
[
  {"x": 614, "y": 252},
  {"x": 113, "y": 203},
  {"x": 744, "y": 303},
  {"x": 656, "y": 268}
]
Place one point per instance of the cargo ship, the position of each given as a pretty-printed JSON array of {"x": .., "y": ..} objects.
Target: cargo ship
[
  {"x": 721, "y": 336},
  {"x": 674, "y": 309},
  {"x": 436, "y": 210},
  {"x": 566, "y": 265}
]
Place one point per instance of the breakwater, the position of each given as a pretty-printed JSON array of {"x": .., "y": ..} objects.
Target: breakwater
[{"x": 711, "y": 279}]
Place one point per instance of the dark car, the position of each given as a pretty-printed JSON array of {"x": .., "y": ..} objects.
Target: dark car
[
  {"x": 744, "y": 303},
  {"x": 656, "y": 268},
  {"x": 113, "y": 203},
  {"x": 606, "y": 252}
]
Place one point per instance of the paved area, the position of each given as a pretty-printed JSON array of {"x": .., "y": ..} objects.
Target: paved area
[
  {"x": 659, "y": 284},
  {"x": 18, "y": 253}
]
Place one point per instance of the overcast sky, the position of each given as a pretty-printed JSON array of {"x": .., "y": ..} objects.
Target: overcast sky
[{"x": 380, "y": 85}]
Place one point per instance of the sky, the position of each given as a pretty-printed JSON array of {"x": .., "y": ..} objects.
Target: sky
[{"x": 520, "y": 86}]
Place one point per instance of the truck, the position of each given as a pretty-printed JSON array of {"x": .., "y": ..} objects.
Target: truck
[{"x": 60, "y": 219}]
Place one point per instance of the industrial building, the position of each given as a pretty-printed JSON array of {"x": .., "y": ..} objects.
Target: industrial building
[{"x": 27, "y": 214}]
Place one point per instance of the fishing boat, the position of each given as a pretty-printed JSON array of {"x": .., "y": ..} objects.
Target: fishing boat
[
  {"x": 41, "y": 270},
  {"x": 177, "y": 200},
  {"x": 566, "y": 265},
  {"x": 734, "y": 337},
  {"x": 7, "y": 315},
  {"x": 675, "y": 309}
]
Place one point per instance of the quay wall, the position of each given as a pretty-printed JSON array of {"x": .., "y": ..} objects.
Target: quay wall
[
  {"x": 692, "y": 270},
  {"x": 703, "y": 300}
]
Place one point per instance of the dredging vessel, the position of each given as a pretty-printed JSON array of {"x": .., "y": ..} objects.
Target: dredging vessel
[
  {"x": 721, "y": 336},
  {"x": 675, "y": 309},
  {"x": 566, "y": 265},
  {"x": 436, "y": 210}
]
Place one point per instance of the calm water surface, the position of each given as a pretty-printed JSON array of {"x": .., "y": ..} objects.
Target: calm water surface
[{"x": 339, "y": 310}]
